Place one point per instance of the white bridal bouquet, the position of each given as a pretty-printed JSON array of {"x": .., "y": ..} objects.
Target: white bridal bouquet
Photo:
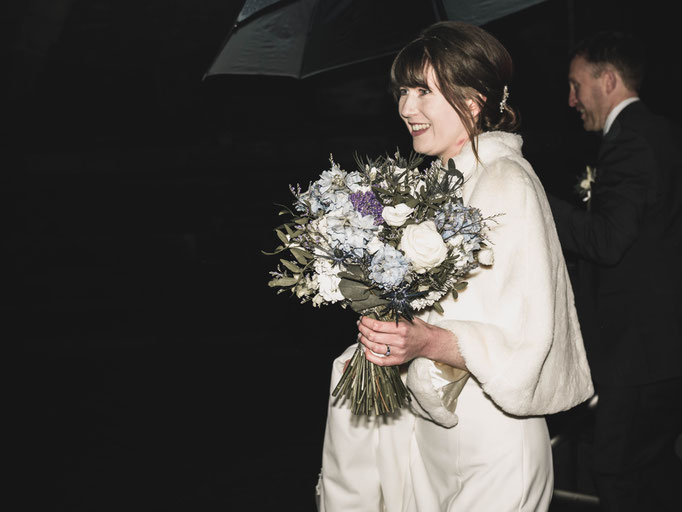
[{"x": 386, "y": 240}]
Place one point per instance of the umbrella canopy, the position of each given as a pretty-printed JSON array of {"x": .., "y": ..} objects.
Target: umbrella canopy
[{"x": 300, "y": 38}]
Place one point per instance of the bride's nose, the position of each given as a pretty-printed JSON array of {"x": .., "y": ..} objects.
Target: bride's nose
[{"x": 407, "y": 105}]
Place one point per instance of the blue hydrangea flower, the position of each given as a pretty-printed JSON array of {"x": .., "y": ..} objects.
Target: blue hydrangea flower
[
  {"x": 326, "y": 193},
  {"x": 457, "y": 219},
  {"x": 351, "y": 232},
  {"x": 388, "y": 267}
]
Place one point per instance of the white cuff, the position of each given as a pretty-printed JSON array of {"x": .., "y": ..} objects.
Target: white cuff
[{"x": 435, "y": 387}]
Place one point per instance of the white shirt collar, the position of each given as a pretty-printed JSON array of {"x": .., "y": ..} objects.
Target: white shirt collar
[{"x": 617, "y": 110}]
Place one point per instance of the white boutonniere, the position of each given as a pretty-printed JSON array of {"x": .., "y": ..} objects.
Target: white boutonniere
[{"x": 584, "y": 185}]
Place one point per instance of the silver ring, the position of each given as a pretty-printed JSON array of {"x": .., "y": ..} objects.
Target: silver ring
[{"x": 388, "y": 350}]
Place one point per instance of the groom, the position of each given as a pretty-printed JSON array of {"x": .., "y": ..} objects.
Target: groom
[{"x": 629, "y": 245}]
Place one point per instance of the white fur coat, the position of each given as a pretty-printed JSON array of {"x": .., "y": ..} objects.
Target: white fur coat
[{"x": 516, "y": 322}]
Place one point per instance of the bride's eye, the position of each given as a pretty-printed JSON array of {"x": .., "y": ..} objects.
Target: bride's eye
[
  {"x": 423, "y": 91},
  {"x": 403, "y": 91}
]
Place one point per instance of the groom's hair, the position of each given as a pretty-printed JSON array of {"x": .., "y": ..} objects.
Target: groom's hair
[{"x": 617, "y": 49}]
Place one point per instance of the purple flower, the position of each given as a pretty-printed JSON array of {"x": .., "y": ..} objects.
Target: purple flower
[{"x": 366, "y": 203}]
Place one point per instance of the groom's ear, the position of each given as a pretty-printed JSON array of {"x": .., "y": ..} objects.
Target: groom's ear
[{"x": 610, "y": 78}]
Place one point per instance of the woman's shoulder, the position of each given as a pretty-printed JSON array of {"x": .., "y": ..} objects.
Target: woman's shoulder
[
  {"x": 492, "y": 145},
  {"x": 504, "y": 165},
  {"x": 505, "y": 174}
]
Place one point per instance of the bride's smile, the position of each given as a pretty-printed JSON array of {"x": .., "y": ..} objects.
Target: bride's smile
[{"x": 434, "y": 124}]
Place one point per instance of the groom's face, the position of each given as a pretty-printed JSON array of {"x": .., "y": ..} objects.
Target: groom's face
[{"x": 587, "y": 94}]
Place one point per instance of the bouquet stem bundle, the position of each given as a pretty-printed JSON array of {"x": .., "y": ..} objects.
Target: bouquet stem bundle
[{"x": 370, "y": 388}]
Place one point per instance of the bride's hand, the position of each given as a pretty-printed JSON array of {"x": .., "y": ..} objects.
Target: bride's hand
[{"x": 406, "y": 340}]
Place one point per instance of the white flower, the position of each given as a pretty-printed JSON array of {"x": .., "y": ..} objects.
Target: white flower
[
  {"x": 328, "y": 280},
  {"x": 486, "y": 256},
  {"x": 353, "y": 181},
  {"x": 306, "y": 286},
  {"x": 396, "y": 215},
  {"x": 415, "y": 188},
  {"x": 374, "y": 245},
  {"x": 333, "y": 178},
  {"x": 371, "y": 171},
  {"x": 456, "y": 241},
  {"x": 429, "y": 300},
  {"x": 585, "y": 182},
  {"x": 462, "y": 260},
  {"x": 423, "y": 246}
]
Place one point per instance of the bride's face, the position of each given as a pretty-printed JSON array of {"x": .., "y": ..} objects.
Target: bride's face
[{"x": 434, "y": 124}]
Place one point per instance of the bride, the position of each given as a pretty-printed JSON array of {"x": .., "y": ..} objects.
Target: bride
[{"x": 510, "y": 345}]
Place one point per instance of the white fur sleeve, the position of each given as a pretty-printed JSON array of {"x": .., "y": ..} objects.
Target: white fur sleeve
[{"x": 523, "y": 343}]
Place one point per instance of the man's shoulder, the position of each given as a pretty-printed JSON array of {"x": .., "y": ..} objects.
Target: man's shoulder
[
  {"x": 639, "y": 118},
  {"x": 636, "y": 116},
  {"x": 638, "y": 126}
]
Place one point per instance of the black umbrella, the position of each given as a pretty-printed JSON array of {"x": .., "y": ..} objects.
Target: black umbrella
[{"x": 300, "y": 38}]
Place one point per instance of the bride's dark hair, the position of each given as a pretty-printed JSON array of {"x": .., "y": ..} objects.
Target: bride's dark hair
[{"x": 469, "y": 64}]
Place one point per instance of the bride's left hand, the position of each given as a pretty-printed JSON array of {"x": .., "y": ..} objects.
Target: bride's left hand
[{"x": 406, "y": 340}]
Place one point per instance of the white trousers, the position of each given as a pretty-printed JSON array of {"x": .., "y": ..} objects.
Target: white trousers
[{"x": 489, "y": 461}]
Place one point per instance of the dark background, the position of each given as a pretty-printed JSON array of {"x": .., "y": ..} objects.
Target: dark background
[{"x": 157, "y": 371}]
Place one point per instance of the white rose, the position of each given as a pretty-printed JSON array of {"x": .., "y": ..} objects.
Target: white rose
[
  {"x": 423, "y": 246},
  {"x": 486, "y": 256},
  {"x": 396, "y": 215}
]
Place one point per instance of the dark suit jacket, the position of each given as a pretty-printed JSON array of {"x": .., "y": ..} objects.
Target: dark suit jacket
[{"x": 629, "y": 246}]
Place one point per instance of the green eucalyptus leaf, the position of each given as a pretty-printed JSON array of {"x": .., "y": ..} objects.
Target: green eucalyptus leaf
[
  {"x": 301, "y": 255},
  {"x": 372, "y": 301},
  {"x": 291, "y": 266},
  {"x": 353, "y": 272},
  {"x": 380, "y": 190},
  {"x": 350, "y": 277},
  {"x": 453, "y": 171},
  {"x": 353, "y": 290},
  {"x": 282, "y": 237},
  {"x": 412, "y": 202},
  {"x": 282, "y": 281},
  {"x": 277, "y": 250}
]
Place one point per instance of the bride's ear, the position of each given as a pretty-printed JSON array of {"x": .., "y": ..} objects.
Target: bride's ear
[{"x": 475, "y": 106}]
